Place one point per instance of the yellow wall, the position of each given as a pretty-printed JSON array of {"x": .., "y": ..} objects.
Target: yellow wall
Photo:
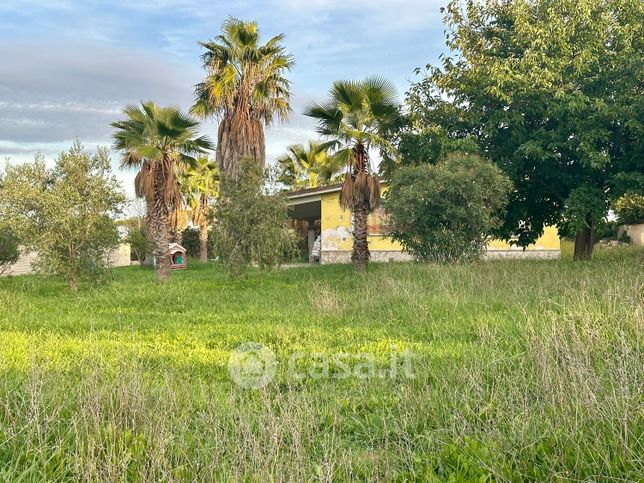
[{"x": 336, "y": 224}]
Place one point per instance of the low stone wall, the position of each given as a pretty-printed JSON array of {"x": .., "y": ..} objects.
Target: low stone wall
[
  {"x": 118, "y": 258},
  {"x": 523, "y": 254},
  {"x": 344, "y": 256}
]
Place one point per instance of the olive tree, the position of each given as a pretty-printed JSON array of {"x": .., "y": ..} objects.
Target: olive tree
[{"x": 65, "y": 213}]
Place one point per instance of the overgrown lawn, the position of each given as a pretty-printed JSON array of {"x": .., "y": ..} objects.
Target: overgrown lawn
[{"x": 523, "y": 370}]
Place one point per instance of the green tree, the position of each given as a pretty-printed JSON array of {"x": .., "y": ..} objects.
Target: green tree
[
  {"x": 354, "y": 118},
  {"x": 551, "y": 91},
  {"x": 9, "y": 248},
  {"x": 65, "y": 214},
  {"x": 156, "y": 140},
  {"x": 200, "y": 186},
  {"x": 629, "y": 209},
  {"x": 445, "y": 212},
  {"x": 245, "y": 88},
  {"x": 252, "y": 224},
  {"x": 308, "y": 166}
]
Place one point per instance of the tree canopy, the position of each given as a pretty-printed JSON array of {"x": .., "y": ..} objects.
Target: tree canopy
[{"x": 550, "y": 90}]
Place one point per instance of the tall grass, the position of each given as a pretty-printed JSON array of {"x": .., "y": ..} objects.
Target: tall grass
[{"x": 525, "y": 370}]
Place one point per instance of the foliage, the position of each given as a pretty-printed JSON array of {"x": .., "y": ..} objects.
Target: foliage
[
  {"x": 446, "y": 212},
  {"x": 252, "y": 224},
  {"x": 630, "y": 209},
  {"x": 355, "y": 119},
  {"x": 551, "y": 92},
  {"x": 308, "y": 166},
  {"x": 190, "y": 242},
  {"x": 137, "y": 237},
  {"x": 9, "y": 248},
  {"x": 159, "y": 141},
  {"x": 246, "y": 88},
  {"x": 65, "y": 214},
  {"x": 200, "y": 187},
  {"x": 524, "y": 370}
]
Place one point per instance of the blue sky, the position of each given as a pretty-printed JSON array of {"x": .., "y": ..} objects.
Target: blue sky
[{"x": 67, "y": 67}]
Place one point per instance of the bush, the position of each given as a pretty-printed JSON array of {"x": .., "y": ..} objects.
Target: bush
[
  {"x": 447, "y": 211},
  {"x": 65, "y": 214},
  {"x": 9, "y": 250},
  {"x": 629, "y": 209},
  {"x": 190, "y": 241},
  {"x": 252, "y": 224}
]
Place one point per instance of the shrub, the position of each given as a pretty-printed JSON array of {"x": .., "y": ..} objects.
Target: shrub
[
  {"x": 190, "y": 241},
  {"x": 629, "y": 209},
  {"x": 252, "y": 225},
  {"x": 9, "y": 250},
  {"x": 447, "y": 211},
  {"x": 65, "y": 214}
]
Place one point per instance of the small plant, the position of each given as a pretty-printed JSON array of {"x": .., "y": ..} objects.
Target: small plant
[{"x": 446, "y": 212}]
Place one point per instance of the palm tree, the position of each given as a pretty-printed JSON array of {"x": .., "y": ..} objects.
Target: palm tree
[
  {"x": 354, "y": 118},
  {"x": 200, "y": 184},
  {"x": 157, "y": 140},
  {"x": 245, "y": 88},
  {"x": 308, "y": 166}
]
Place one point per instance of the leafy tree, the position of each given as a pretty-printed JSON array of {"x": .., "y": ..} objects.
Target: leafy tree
[
  {"x": 445, "y": 212},
  {"x": 9, "y": 248},
  {"x": 308, "y": 166},
  {"x": 200, "y": 185},
  {"x": 354, "y": 118},
  {"x": 551, "y": 91},
  {"x": 630, "y": 209},
  {"x": 157, "y": 140},
  {"x": 245, "y": 88},
  {"x": 65, "y": 214},
  {"x": 252, "y": 224}
]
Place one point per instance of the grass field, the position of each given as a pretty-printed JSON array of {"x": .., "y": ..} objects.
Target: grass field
[{"x": 523, "y": 370}]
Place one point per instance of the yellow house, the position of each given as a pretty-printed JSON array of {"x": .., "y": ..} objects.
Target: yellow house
[{"x": 316, "y": 212}]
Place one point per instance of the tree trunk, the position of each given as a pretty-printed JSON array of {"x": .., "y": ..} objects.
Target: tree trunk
[
  {"x": 239, "y": 137},
  {"x": 360, "y": 255},
  {"x": 72, "y": 284},
  {"x": 160, "y": 225},
  {"x": 584, "y": 242},
  {"x": 203, "y": 242}
]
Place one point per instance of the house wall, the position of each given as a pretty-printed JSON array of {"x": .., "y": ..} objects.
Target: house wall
[
  {"x": 118, "y": 258},
  {"x": 635, "y": 233},
  {"x": 337, "y": 243}
]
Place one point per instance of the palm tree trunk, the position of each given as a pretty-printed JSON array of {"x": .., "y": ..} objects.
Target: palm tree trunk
[
  {"x": 239, "y": 137},
  {"x": 203, "y": 242},
  {"x": 360, "y": 255},
  {"x": 159, "y": 217}
]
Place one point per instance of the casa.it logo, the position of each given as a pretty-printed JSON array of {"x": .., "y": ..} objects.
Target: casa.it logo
[{"x": 252, "y": 365}]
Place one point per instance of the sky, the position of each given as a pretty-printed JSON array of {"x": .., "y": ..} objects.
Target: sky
[{"x": 67, "y": 67}]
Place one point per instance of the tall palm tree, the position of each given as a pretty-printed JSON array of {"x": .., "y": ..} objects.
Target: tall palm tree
[
  {"x": 156, "y": 140},
  {"x": 354, "y": 118},
  {"x": 200, "y": 184},
  {"x": 308, "y": 166},
  {"x": 245, "y": 89}
]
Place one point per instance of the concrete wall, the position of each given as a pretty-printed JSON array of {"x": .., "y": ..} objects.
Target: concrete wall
[
  {"x": 118, "y": 258},
  {"x": 337, "y": 242},
  {"x": 635, "y": 233}
]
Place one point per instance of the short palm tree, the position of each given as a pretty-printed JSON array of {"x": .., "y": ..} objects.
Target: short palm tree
[
  {"x": 157, "y": 140},
  {"x": 354, "y": 118},
  {"x": 200, "y": 185},
  {"x": 245, "y": 89},
  {"x": 308, "y": 166}
]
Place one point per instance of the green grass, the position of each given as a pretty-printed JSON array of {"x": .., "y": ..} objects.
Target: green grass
[{"x": 524, "y": 370}]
